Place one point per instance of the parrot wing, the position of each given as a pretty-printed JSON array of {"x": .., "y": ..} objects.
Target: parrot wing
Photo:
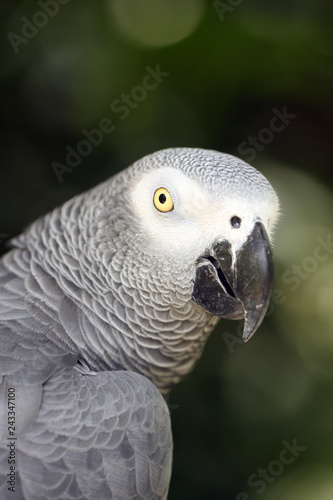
[
  {"x": 98, "y": 435},
  {"x": 79, "y": 434}
]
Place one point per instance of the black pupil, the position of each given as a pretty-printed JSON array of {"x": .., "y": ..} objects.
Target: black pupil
[
  {"x": 162, "y": 198},
  {"x": 235, "y": 221}
]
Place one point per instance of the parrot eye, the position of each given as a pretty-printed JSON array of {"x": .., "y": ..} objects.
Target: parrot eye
[
  {"x": 163, "y": 200},
  {"x": 235, "y": 221}
]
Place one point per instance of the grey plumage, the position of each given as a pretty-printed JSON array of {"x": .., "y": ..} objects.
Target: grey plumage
[{"x": 97, "y": 321}]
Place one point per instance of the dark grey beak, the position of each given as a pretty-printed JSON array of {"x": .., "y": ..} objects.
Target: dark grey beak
[{"x": 239, "y": 288}]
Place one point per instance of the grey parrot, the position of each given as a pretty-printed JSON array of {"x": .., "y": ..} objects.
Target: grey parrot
[{"x": 106, "y": 303}]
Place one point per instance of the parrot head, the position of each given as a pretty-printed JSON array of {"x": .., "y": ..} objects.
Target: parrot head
[
  {"x": 164, "y": 249},
  {"x": 207, "y": 220}
]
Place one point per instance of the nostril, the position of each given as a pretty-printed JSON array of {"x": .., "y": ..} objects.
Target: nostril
[{"x": 235, "y": 221}]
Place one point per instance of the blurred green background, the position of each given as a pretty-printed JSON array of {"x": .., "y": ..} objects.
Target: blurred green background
[{"x": 224, "y": 70}]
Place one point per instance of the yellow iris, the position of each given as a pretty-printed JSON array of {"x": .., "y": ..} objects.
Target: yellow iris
[{"x": 163, "y": 200}]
